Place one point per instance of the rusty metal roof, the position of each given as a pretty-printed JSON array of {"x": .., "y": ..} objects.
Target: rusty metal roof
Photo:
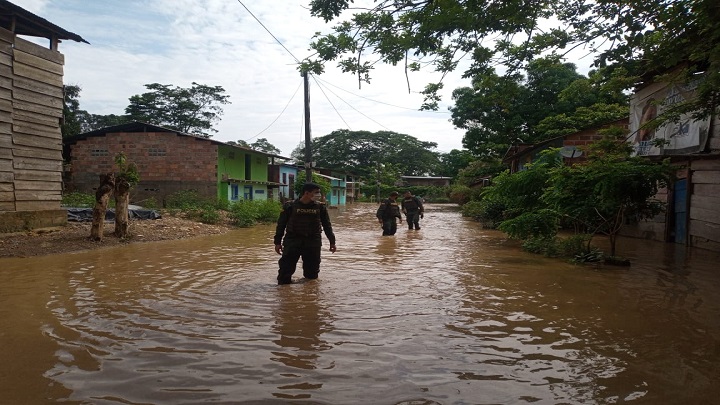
[{"x": 27, "y": 23}]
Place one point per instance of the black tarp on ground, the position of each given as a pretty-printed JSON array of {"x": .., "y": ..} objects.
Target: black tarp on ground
[{"x": 134, "y": 212}]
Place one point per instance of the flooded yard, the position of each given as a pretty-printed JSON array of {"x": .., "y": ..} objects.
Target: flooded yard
[{"x": 449, "y": 314}]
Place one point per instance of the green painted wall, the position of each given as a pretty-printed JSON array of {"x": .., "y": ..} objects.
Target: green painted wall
[{"x": 232, "y": 162}]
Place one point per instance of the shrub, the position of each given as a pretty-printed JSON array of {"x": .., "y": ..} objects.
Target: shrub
[
  {"x": 244, "y": 213},
  {"x": 268, "y": 211},
  {"x": 78, "y": 200},
  {"x": 186, "y": 200}
]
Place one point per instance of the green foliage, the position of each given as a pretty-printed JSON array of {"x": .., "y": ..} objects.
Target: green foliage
[
  {"x": 244, "y": 213},
  {"x": 149, "y": 203},
  {"x": 459, "y": 194},
  {"x": 186, "y": 200},
  {"x": 627, "y": 39},
  {"x": 611, "y": 188},
  {"x": 71, "y": 123},
  {"x": 127, "y": 171},
  {"x": 491, "y": 212},
  {"x": 537, "y": 223},
  {"x": 453, "y": 162},
  {"x": 191, "y": 110},
  {"x": 480, "y": 169},
  {"x": 324, "y": 184},
  {"x": 363, "y": 152},
  {"x": 268, "y": 211},
  {"x": 78, "y": 200}
]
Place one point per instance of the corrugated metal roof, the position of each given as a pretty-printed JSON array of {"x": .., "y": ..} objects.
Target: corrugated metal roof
[{"x": 27, "y": 23}]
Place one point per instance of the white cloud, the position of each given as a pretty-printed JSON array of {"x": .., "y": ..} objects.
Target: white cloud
[{"x": 218, "y": 43}]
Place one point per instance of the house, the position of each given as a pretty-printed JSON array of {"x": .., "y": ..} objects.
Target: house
[
  {"x": 693, "y": 145},
  {"x": 570, "y": 147},
  {"x": 31, "y": 110},
  {"x": 337, "y": 194},
  {"x": 425, "y": 181},
  {"x": 168, "y": 162},
  {"x": 285, "y": 174}
]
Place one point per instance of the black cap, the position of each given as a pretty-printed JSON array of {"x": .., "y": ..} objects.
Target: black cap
[{"x": 310, "y": 187}]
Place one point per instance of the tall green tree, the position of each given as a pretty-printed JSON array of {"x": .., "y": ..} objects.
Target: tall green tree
[
  {"x": 641, "y": 37},
  {"x": 191, "y": 110},
  {"x": 263, "y": 145},
  {"x": 502, "y": 110},
  {"x": 361, "y": 151},
  {"x": 454, "y": 161},
  {"x": 73, "y": 116}
]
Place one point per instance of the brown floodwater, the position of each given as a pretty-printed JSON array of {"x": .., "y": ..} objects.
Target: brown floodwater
[{"x": 449, "y": 314}]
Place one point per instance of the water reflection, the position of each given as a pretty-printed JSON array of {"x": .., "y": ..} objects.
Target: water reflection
[
  {"x": 301, "y": 319},
  {"x": 449, "y": 314}
]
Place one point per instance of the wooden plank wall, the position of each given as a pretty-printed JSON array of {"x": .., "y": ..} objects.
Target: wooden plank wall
[
  {"x": 704, "y": 227},
  {"x": 31, "y": 102}
]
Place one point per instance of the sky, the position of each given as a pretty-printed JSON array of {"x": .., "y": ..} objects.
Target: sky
[{"x": 220, "y": 43}]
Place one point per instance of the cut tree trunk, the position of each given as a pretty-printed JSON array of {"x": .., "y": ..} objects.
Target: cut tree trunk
[
  {"x": 122, "y": 199},
  {"x": 102, "y": 195}
]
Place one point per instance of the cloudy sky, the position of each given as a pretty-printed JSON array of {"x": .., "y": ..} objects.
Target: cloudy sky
[{"x": 220, "y": 43}]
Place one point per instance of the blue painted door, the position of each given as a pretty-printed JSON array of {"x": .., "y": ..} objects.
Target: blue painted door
[
  {"x": 680, "y": 204},
  {"x": 248, "y": 193}
]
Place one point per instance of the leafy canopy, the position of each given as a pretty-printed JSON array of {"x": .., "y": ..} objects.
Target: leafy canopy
[
  {"x": 638, "y": 37},
  {"x": 191, "y": 110},
  {"x": 361, "y": 151}
]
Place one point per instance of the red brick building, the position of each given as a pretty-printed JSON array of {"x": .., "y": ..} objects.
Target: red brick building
[{"x": 168, "y": 162}]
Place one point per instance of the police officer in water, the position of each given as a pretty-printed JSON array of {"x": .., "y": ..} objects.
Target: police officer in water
[{"x": 302, "y": 223}]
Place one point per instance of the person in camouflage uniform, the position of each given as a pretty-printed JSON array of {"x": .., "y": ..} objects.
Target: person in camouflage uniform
[
  {"x": 302, "y": 223},
  {"x": 413, "y": 209},
  {"x": 388, "y": 213}
]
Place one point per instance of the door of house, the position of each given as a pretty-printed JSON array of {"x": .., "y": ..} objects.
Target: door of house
[
  {"x": 680, "y": 210},
  {"x": 248, "y": 193}
]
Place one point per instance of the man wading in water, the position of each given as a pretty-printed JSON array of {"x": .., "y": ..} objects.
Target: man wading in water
[{"x": 302, "y": 222}]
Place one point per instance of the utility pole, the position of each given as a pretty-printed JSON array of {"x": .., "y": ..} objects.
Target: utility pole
[{"x": 308, "y": 152}]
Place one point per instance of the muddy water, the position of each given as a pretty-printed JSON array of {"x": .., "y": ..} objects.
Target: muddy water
[{"x": 450, "y": 314}]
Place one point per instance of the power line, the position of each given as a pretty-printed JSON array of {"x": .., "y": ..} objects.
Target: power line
[
  {"x": 380, "y": 102},
  {"x": 349, "y": 105},
  {"x": 279, "y": 115},
  {"x": 268, "y": 31}
]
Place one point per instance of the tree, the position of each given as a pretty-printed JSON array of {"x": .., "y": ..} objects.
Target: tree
[
  {"x": 239, "y": 142},
  {"x": 360, "y": 151},
  {"x": 611, "y": 188},
  {"x": 642, "y": 38},
  {"x": 191, "y": 110},
  {"x": 72, "y": 114},
  {"x": 499, "y": 111},
  {"x": 92, "y": 122},
  {"x": 453, "y": 162},
  {"x": 263, "y": 145}
]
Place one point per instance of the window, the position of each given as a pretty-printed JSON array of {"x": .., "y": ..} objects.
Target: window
[
  {"x": 99, "y": 152},
  {"x": 284, "y": 178},
  {"x": 157, "y": 151},
  {"x": 234, "y": 192}
]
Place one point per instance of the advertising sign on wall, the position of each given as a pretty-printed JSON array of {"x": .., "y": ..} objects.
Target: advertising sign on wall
[{"x": 686, "y": 135}]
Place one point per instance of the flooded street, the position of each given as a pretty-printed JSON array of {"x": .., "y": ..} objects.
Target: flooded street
[{"x": 449, "y": 314}]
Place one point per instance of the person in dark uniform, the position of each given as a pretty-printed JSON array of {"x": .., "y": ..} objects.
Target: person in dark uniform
[
  {"x": 388, "y": 213},
  {"x": 413, "y": 209},
  {"x": 302, "y": 223}
]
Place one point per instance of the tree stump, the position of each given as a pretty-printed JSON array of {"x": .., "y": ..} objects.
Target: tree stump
[
  {"x": 102, "y": 195},
  {"x": 122, "y": 200}
]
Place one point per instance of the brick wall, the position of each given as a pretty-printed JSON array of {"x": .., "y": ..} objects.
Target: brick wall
[{"x": 167, "y": 163}]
